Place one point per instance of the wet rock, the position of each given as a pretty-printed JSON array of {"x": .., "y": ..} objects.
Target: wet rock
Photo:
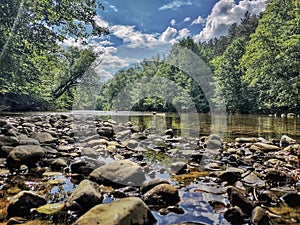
[
  {"x": 286, "y": 140},
  {"x": 44, "y": 138},
  {"x": 268, "y": 197},
  {"x": 235, "y": 216},
  {"x": 131, "y": 144},
  {"x": 51, "y": 209},
  {"x": 168, "y": 132},
  {"x": 125, "y": 211},
  {"x": 119, "y": 173},
  {"x": 277, "y": 177},
  {"x": 25, "y": 154},
  {"x": 259, "y": 216},
  {"x": 97, "y": 142},
  {"x": 246, "y": 140},
  {"x": 22, "y": 203},
  {"x": 106, "y": 132},
  {"x": 122, "y": 135},
  {"x": 162, "y": 195},
  {"x": 85, "y": 196},
  {"x": 213, "y": 142},
  {"x": 264, "y": 147},
  {"x": 8, "y": 141},
  {"x": 58, "y": 164},
  {"x": 230, "y": 177},
  {"x": 291, "y": 199},
  {"x": 149, "y": 184},
  {"x": 238, "y": 199},
  {"x": 89, "y": 152},
  {"x": 253, "y": 180},
  {"x": 179, "y": 167},
  {"x": 85, "y": 165}
]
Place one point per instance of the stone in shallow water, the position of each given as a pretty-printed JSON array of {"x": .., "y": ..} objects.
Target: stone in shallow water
[
  {"x": 125, "y": 211},
  {"x": 163, "y": 195},
  {"x": 119, "y": 173},
  {"x": 50, "y": 209},
  {"x": 44, "y": 137},
  {"x": 85, "y": 196},
  {"x": 22, "y": 203}
]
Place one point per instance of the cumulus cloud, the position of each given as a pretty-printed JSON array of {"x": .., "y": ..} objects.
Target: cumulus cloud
[
  {"x": 173, "y": 22},
  {"x": 168, "y": 35},
  {"x": 199, "y": 20},
  {"x": 183, "y": 33},
  {"x": 174, "y": 5},
  {"x": 226, "y": 13},
  {"x": 186, "y": 19}
]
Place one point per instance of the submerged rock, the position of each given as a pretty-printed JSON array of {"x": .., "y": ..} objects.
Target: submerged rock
[{"x": 125, "y": 211}]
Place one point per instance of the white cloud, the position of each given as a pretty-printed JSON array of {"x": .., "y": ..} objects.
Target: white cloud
[
  {"x": 173, "y": 22},
  {"x": 224, "y": 14},
  {"x": 183, "y": 33},
  {"x": 174, "y": 5},
  {"x": 168, "y": 35},
  {"x": 199, "y": 20},
  {"x": 186, "y": 19},
  {"x": 100, "y": 22}
]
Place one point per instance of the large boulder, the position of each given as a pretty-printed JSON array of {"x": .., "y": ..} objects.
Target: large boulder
[
  {"x": 23, "y": 202},
  {"x": 126, "y": 211},
  {"x": 85, "y": 197},
  {"x": 119, "y": 173},
  {"x": 25, "y": 154}
]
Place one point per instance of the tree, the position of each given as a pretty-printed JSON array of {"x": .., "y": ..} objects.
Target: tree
[
  {"x": 29, "y": 35},
  {"x": 271, "y": 61}
]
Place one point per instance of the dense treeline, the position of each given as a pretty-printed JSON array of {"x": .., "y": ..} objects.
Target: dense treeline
[
  {"x": 37, "y": 72},
  {"x": 253, "y": 69},
  {"x": 256, "y": 69}
]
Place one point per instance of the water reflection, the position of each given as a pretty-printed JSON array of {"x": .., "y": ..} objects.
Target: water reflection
[{"x": 235, "y": 125}]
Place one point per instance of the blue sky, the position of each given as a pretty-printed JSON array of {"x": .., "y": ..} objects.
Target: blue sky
[{"x": 143, "y": 28}]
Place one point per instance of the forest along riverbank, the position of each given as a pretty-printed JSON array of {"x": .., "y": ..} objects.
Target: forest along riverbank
[{"x": 66, "y": 169}]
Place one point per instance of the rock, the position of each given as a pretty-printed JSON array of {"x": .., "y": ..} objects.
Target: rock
[
  {"x": 179, "y": 167},
  {"x": 125, "y": 211},
  {"x": 51, "y": 209},
  {"x": 277, "y": 177},
  {"x": 85, "y": 197},
  {"x": 119, "y": 173},
  {"x": 22, "y": 203},
  {"x": 131, "y": 144},
  {"x": 235, "y": 216},
  {"x": 149, "y": 184},
  {"x": 25, "y": 154},
  {"x": 253, "y": 180},
  {"x": 122, "y": 135},
  {"x": 44, "y": 138},
  {"x": 237, "y": 199},
  {"x": 292, "y": 199},
  {"x": 231, "y": 177},
  {"x": 162, "y": 195},
  {"x": 168, "y": 132},
  {"x": 85, "y": 165},
  {"x": 106, "y": 132},
  {"x": 246, "y": 140},
  {"x": 97, "y": 142},
  {"x": 58, "y": 164},
  {"x": 286, "y": 140},
  {"x": 8, "y": 141},
  {"x": 89, "y": 152},
  {"x": 259, "y": 216},
  {"x": 264, "y": 147},
  {"x": 213, "y": 141}
]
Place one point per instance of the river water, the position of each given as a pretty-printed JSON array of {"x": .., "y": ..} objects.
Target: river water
[{"x": 228, "y": 126}]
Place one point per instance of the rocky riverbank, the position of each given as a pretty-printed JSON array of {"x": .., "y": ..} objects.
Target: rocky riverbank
[{"x": 76, "y": 169}]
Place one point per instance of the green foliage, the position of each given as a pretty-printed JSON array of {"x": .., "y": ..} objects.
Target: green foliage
[
  {"x": 31, "y": 60},
  {"x": 271, "y": 61}
]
